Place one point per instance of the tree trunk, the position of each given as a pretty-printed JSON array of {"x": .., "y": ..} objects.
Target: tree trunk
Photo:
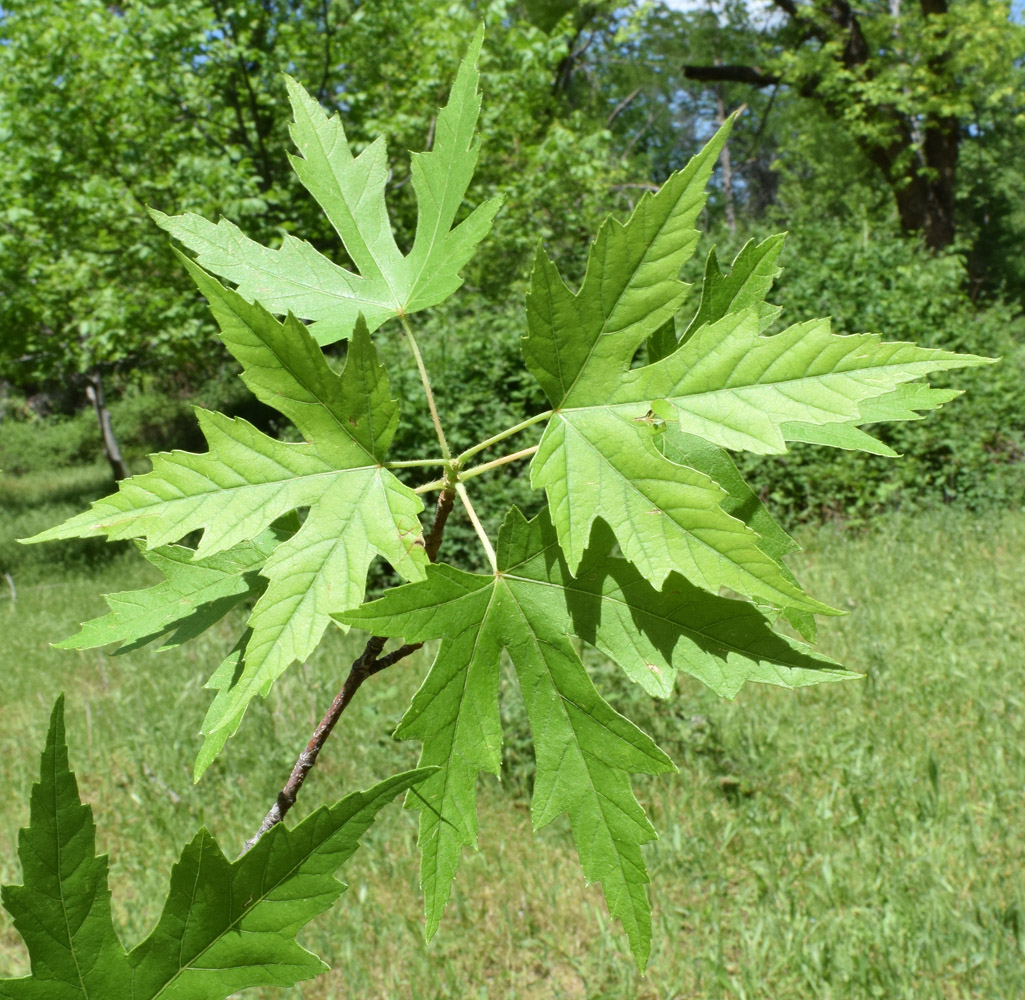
[
  {"x": 926, "y": 203},
  {"x": 922, "y": 177},
  {"x": 94, "y": 393}
]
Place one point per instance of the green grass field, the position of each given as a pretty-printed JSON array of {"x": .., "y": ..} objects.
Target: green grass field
[{"x": 857, "y": 840}]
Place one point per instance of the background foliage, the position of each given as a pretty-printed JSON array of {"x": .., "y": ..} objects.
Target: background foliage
[{"x": 106, "y": 109}]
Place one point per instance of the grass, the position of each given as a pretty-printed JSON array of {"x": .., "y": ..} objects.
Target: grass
[{"x": 852, "y": 841}]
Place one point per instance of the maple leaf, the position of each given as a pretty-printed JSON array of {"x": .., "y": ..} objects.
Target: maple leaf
[
  {"x": 585, "y": 750},
  {"x": 746, "y": 284},
  {"x": 356, "y": 508},
  {"x": 600, "y": 456},
  {"x": 195, "y": 594},
  {"x": 350, "y": 189},
  {"x": 597, "y": 461},
  {"x": 225, "y": 926}
]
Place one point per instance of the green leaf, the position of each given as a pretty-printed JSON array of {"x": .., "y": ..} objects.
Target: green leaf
[
  {"x": 740, "y": 390},
  {"x": 62, "y": 911},
  {"x": 195, "y": 594},
  {"x": 350, "y": 189},
  {"x": 585, "y": 750},
  {"x": 599, "y": 457},
  {"x": 225, "y": 925},
  {"x": 594, "y": 461},
  {"x": 247, "y": 481},
  {"x": 655, "y": 634}
]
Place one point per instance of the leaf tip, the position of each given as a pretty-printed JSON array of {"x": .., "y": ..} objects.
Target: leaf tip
[{"x": 57, "y": 717}]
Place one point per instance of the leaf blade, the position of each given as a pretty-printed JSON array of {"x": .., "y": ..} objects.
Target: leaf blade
[
  {"x": 667, "y": 517},
  {"x": 238, "y": 919},
  {"x": 62, "y": 910}
]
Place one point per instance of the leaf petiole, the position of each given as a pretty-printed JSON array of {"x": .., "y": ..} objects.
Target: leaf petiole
[
  {"x": 478, "y": 470},
  {"x": 427, "y": 386},
  {"x": 502, "y": 435},
  {"x": 478, "y": 527},
  {"x": 434, "y": 484},
  {"x": 416, "y": 463}
]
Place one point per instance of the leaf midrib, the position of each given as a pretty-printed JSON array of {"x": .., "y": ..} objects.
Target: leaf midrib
[
  {"x": 382, "y": 273},
  {"x": 60, "y": 878},
  {"x": 670, "y": 216},
  {"x": 435, "y": 853},
  {"x": 598, "y": 796},
  {"x": 246, "y": 486},
  {"x": 232, "y": 925}
]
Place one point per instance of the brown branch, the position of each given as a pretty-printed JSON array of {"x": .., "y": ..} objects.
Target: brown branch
[
  {"x": 369, "y": 662},
  {"x": 622, "y": 106},
  {"x": 788, "y": 6},
  {"x": 432, "y": 540},
  {"x": 731, "y": 74}
]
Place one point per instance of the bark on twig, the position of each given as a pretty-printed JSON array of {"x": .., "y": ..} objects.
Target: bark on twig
[{"x": 369, "y": 662}]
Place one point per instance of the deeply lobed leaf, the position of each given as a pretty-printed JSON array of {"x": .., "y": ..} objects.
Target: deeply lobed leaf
[
  {"x": 297, "y": 279},
  {"x": 247, "y": 481},
  {"x": 585, "y": 750},
  {"x": 602, "y": 455},
  {"x": 225, "y": 925}
]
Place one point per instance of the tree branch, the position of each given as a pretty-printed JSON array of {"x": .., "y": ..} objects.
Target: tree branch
[
  {"x": 622, "y": 105},
  {"x": 788, "y": 7},
  {"x": 369, "y": 662},
  {"x": 731, "y": 74}
]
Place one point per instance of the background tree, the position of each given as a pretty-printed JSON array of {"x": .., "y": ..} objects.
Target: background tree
[{"x": 908, "y": 84}]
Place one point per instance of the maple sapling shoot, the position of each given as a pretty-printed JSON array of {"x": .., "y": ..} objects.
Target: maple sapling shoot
[{"x": 638, "y": 535}]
